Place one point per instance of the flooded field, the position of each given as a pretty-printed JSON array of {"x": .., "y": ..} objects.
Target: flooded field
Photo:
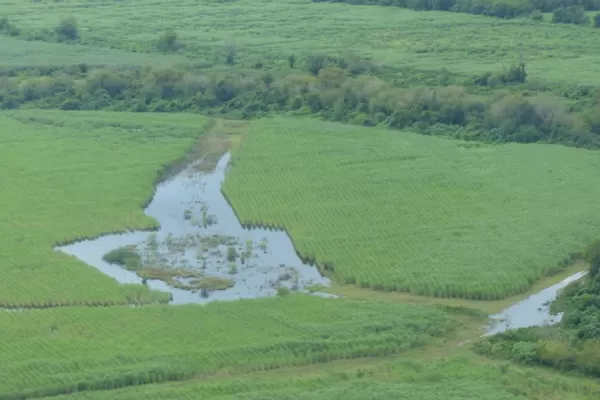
[
  {"x": 532, "y": 311},
  {"x": 201, "y": 252}
]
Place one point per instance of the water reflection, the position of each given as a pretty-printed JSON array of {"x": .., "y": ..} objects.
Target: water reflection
[
  {"x": 533, "y": 311},
  {"x": 190, "y": 207}
]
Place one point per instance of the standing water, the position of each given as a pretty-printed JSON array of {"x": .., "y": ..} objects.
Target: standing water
[
  {"x": 201, "y": 235},
  {"x": 533, "y": 311}
]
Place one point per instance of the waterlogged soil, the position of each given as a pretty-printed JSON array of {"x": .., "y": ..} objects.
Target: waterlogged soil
[
  {"x": 199, "y": 233},
  {"x": 532, "y": 311}
]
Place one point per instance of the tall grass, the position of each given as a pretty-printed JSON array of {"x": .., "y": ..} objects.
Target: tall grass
[
  {"x": 453, "y": 378},
  {"x": 75, "y": 349},
  {"x": 403, "y": 212},
  {"x": 67, "y": 176}
]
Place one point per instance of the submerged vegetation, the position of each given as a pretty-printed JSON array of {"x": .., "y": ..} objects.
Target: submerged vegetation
[{"x": 125, "y": 256}]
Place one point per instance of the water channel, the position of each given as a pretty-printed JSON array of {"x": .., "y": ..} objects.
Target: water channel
[
  {"x": 532, "y": 311},
  {"x": 197, "y": 225},
  {"x": 197, "y": 228}
]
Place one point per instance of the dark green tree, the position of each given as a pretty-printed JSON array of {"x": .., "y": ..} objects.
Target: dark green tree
[
  {"x": 230, "y": 54},
  {"x": 570, "y": 15},
  {"x": 168, "y": 41},
  {"x": 67, "y": 29}
]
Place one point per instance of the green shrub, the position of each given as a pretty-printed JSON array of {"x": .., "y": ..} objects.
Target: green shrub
[
  {"x": 168, "y": 41},
  {"x": 124, "y": 256},
  {"x": 8, "y": 28},
  {"x": 570, "y": 15},
  {"x": 67, "y": 29},
  {"x": 537, "y": 15}
]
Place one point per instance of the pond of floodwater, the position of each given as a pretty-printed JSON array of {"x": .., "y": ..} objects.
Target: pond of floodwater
[
  {"x": 200, "y": 232},
  {"x": 532, "y": 311}
]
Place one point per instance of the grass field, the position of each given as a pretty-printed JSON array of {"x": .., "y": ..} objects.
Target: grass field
[
  {"x": 406, "y": 212},
  {"x": 21, "y": 53},
  {"x": 67, "y": 176},
  {"x": 269, "y": 31},
  {"x": 74, "y": 174},
  {"x": 453, "y": 378},
  {"x": 104, "y": 348}
]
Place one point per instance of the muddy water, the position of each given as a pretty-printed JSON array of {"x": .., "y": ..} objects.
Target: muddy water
[
  {"x": 533, "y": 311},
  {"x": 193, "y": 215}
]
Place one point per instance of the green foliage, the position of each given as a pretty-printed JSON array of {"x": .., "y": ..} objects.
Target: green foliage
[
  {"x": 124, "y": 256},
  {"x": 107, "y": 348},
  {"x": 333, "y": 94},
  {"x": 67, "y": 29},
  {"x": 500, "y": 9},
  {"x": 575, "y": 343},
  {"x": 452, "y": 378},
  {"x": 570, "y": 15},
  {"x": 515, "y": 74},
  {"x": 463, "y": 389},
  {"x": 274, "y": 30},
  {"x": 597, "y": 20},
  {"x": 51, "y": 166},
  {"x": 537, "y": 15},
  {"x": 168, "y": 41},
  {"x": 8, "y": 28},
  {"x": 592, "y": 256},
  {"x": 214, "y": 283},
  {"x": 406, "y": 212},
  {"x": 230, "y": 52}
]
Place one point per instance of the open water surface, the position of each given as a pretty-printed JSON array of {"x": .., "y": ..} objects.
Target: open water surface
[
  {"x": 532, "y": 311},
  {"x": 194, "y": 217}
]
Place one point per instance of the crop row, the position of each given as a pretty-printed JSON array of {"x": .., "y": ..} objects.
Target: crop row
[
  {"x": 400, "y": 378},
  {"x": 397, "y": 211},
  {"x": 67, "y": 176},
  {"x": 47, "y": 352}
]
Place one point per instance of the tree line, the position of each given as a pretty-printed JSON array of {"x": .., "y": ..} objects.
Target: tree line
[
  {"x": 564, "y": 11},
  {"x": 330, "y": 91}
]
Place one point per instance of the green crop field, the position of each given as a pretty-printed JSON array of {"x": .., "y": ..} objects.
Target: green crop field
[
  {"x": 57, "y": 351},
  {"x": 461, "y": 43},
  {"x": 66, "y": 176},
  {"x": 411, "y": 224},
  {"x": 406, "y": 212},
  {"x": 456, "y": 378}
]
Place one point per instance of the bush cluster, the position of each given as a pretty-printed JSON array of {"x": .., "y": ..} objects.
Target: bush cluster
[
  {"x": 575, "y": 344},
  {"x": 499, "y": 9},
  {"x": 332, "y": 93}
]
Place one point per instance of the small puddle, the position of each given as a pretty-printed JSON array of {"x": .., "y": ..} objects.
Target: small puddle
[
  {"x": 200, "y": 232},
  {"x": 533, "y": 311}
]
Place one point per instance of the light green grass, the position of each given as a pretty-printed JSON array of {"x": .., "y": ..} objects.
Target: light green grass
[
  {"x": 54, "y": 351},
  {"x": 67, "y": 175},
  {"x": 400, "y": 211},
  {"x": 20, "y": 53},
  {"x": 272, "y": 30}
]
